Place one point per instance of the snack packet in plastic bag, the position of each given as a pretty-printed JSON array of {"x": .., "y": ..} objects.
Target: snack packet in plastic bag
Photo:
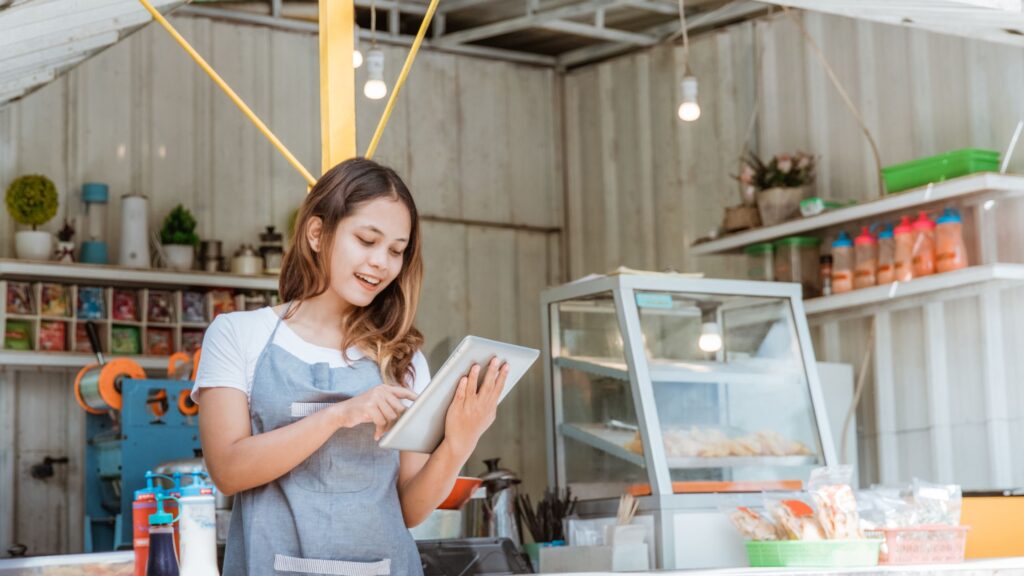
[
  {"x": 937, "y": 503},
  {"x": 885, "y": 507},
  {"x": 753, "y": 524},
  {"x": 794, "y": 517},
  {"x": 835, "y": 502}
]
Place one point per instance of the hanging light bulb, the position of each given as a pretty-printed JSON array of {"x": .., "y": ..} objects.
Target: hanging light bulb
[
  {"x": 689, "y": 110},
  {"x": 710, "y": 337},
  {"x": 357, "y": 58},
  {"x": 375, "y": 88}
]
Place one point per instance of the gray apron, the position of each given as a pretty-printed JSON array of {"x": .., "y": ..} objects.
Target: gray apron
[{"x": 338, "y": 511}]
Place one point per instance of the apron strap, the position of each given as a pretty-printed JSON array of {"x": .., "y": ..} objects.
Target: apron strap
[{"x": 280, "y": 319}]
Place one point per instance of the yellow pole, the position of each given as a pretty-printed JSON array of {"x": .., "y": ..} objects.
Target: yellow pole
[
  {"x": 401, "y": 78},
  {"x": 310, "y": 180},
  {"x": 337, "y": 82}
]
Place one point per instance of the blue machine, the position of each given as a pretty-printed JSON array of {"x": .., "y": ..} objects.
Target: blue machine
[{"x": 150, "y": 429}]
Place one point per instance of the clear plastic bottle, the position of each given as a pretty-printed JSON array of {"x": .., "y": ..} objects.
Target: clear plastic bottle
[
  {"x": 865, "y": 259},
  {"x": 842, "y": 264},
  {"x": 886, "y": 256},
  {"x": 903, "y": 235},
  {"x": 924, "y": 245},
  {"x": 950, "y": 252}
]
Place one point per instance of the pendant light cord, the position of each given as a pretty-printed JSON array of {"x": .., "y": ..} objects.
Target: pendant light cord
[{"x": 686, "y": 38}]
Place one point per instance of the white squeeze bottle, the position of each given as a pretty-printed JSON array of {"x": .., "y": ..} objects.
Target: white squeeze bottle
[{"x": 198, "y": 527}]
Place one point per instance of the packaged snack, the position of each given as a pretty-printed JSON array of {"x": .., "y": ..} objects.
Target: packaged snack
[
  {"x": 160, "y": 309},
  {"x": 19, "y": 298},
  {"x": 90, "y": 303},
  {"x": 223, "y": 301},
  {"x": 885, "y": 507},
  {"x": 191, "y": 340},
  {"x": 125, "y": 340},
  {"x": 125, "y": 305},
  {"x": 159, "y": 341},
  {"x": 17, "y": 335},
  {"x": 53, "y": 336},
  {"x": 193, "y": 307},
  {"x": 53, "y": 300},
  {"x": 795, "y": 518},
  {"x": 753, "y": 525},
  {"x": 82, "y": 339},
  {"x": 836, "y": 504},
  {"x": 937, "y": 503}
]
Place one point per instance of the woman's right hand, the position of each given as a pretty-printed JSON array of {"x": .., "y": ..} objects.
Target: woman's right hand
[{"x": 380, "y": 406}]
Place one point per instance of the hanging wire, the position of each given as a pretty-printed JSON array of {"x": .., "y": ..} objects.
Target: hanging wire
[
  {"x": 686, "y": 38},
  {"x": 373, "y": 23}
]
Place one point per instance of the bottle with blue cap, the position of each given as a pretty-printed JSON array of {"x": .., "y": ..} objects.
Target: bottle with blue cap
[
  {"x": 163, "y": 559},
  {"x": 842, "y": 264},
  {"x": 886, "y": 256},
  {"x": 198, "y": 527},
  {"x": 950, "y": 251}
]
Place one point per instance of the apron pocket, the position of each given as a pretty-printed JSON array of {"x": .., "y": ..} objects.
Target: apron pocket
[
  {"x": 284, "y": 563},
  {"x": 346, "y": 463}
]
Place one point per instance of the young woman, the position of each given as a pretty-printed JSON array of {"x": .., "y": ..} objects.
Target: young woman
[{"x": 295, "y": 397}]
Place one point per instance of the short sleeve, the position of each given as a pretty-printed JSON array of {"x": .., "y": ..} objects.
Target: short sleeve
[
  {"x": 222, "y": 362},
  {"x": 422, "y": 377}
]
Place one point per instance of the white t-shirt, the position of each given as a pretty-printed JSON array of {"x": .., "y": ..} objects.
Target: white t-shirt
[{"x": 234, "y": 341}]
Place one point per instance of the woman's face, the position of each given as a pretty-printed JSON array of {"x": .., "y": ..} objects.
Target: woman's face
[{"x": 368, "y": 250}]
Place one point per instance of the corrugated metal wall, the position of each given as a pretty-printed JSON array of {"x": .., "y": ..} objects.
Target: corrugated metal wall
[
  {"x": 643, "y": 186},
  {"x": 475, "y": 139}
]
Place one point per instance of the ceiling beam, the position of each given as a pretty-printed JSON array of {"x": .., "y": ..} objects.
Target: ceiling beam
[
  {"x": 655, "y": 6},
  {"x": 55, "y": 54},
  {"x": 600, "y": 33},
  {"x": 523, "y": 22},
  {"x": 455, "y": 5}
]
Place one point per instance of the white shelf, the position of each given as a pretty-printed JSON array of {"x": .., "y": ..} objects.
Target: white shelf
[
  {"x": 929, "y": 286},
  {"x": 747, "y": 371},
  {"x": 76, "y": 360},
  {"x": 614, "y": 442},
  {"x": 973, "y": 186},
  {"x": 85, "y": 273}
]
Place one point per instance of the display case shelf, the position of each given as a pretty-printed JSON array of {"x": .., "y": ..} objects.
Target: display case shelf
[
  {"x": 41, "y": 359},
  {"x": 85, "y": 273},
  {"x": 614, "y": 442},
  {"x": 974, "y": 187},
  {"x": 735, "y": 372}
]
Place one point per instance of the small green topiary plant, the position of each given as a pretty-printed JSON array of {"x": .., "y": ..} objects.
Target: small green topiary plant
[
  {"x": 179, "y": 228},
  {"x": 32, "y": 200}
]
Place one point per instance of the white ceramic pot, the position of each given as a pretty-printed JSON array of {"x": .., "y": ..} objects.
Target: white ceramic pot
[
  {"x": 179, "y": 256},
  {"x": 33, "y": 245},
  {"x": 778, "y": 205}
]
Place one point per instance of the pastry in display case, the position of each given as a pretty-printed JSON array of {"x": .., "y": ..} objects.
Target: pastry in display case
[{"x": 686, "y": 392}]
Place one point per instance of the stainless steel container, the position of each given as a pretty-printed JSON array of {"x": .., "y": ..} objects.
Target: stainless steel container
[{"x": 499, "y": 508}]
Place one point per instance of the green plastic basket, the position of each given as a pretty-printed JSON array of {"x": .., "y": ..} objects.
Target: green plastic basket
[
  {"x": 900, "y": 177},
  {"x": 820, "y": 554}
]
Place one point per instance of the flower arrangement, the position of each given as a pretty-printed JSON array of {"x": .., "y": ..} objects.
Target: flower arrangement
[{"x": 782, "y": 171}]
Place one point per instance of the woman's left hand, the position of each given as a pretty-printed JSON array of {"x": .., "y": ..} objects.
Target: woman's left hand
[{"x": 474, "y": 407}]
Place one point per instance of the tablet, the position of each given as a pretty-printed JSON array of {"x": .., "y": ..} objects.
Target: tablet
[{"x": 421, "y": 427}]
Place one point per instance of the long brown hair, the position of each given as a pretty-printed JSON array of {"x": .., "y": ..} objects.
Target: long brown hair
[{"x": 384, "y": 330}]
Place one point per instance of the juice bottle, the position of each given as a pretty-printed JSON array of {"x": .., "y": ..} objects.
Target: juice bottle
[
  {"x": 886, "y": 256},
  {"x": 842, "y": 264},
  {"x": 924, "y": 245},
  {"x": 866, "y": 259},
  {"x": 903, "y": 236},
  {"x": 950, "y": 252}
]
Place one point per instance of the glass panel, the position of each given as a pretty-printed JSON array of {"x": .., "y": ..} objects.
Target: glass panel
[
  {"x": 603, "y": 456},
  {"x": 730, "y": 389}
]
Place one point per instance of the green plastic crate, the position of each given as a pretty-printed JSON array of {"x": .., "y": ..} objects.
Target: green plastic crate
[
  {"x": 938, "y": 168},
  {"x": 820, "y": 554}
]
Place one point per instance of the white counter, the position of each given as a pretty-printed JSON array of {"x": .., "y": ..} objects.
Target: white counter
[{"x": 998, "y": 566}]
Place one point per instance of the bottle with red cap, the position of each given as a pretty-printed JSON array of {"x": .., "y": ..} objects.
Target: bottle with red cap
[
  {"x": 865, "y": 256},
  {"x": 924, "y": 245},
  {"x": 903, "y": 235}
]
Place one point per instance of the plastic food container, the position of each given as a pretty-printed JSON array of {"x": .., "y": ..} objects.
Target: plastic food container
[
  {"x": 796, "y": 260},
  {"x": 842, "y": 264},
  {"x": 903, "y": 235},
  {"x": 760, "y": 261},
  {"x": 937, "y": 168},
  {"x": 816, "y": 554},
  {"x": 923, "y": 545}
]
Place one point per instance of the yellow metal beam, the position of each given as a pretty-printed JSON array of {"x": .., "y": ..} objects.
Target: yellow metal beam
[
  {"x": 231, "y": 93},
  {"x": 337, "y": 82}
]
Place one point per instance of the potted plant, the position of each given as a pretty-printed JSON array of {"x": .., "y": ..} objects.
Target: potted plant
[
  {"x": 32, "y": 201},
  {"x": 65, "y": 247},
  {"x": 179, "y": 238},
  {"x": 780, "y": 184}
]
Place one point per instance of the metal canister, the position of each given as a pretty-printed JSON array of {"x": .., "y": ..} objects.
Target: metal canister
[{"x": 500, "y": 505}]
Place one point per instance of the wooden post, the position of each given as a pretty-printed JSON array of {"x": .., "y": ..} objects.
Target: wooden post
[{"x": 337, "y": 82}]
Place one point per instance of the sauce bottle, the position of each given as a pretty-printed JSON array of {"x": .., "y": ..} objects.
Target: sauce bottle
[
  {"x": 886, "y": 256},
  {"x": 163, "y": 560},
  {"x": 924, "y": 245},
  {"x": 866, "y": 259},
  {"x": 197, "y": 524},
  {"x": 842, "y": 264},
  {"x": 950, "y": 252},
  {"x": 903, "y": 236}
]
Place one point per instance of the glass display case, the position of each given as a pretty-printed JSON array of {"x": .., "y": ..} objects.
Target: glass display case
[{"x": 683, "y": 391}]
